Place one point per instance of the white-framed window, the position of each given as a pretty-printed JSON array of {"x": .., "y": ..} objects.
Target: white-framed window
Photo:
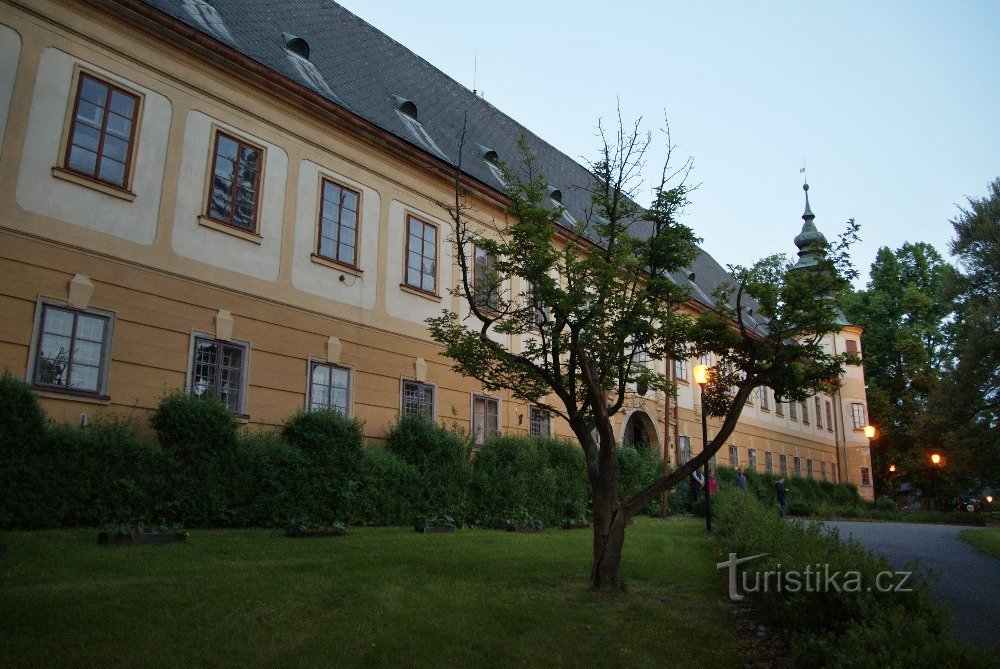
[
  {"x": 809, "y": 467},
  {"x": 539, "y": 422},
  {"x": 417, "y": 399},
  {"x": 829, "y": 417},
  {"x": 858, "y": 415},
  {"x": 734, "y": 456},
  {"x": 805, "y": 413},
  {"x": 765, "y": 405},
  {"x": 768, "y": 461},
  {"x": 219, "y": 368},
  {"x": 819, "y": 415},
  {"x": 485, "y": 418},
  {"x": 752, "y": 459},
  {"x": 783, "y": 461},
  {"x": 329, "y": 387},
  {"x": 793, "y": 411},
  {"x": 71, "y": 349},
  {"x": 797, "y": 465},
  {"x": 684, "y": 449},
  {"x": 681, "y": 370}
]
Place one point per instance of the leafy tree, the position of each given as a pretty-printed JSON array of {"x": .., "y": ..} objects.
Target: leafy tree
[
  {"x": 584, "y": 305},
  {"x": 904, "y": 346},
  {"x": 963, "y": 416}
]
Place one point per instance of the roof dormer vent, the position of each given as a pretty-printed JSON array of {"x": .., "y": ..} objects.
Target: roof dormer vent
[
  {"x": 488, "y": 154},
  {"x": 556, "y": 195},
  {"x": 296, "y": 45},
  {"x": 406, "y": 106}
]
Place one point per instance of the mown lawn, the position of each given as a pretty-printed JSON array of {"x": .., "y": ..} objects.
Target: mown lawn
[
  {"x": 985, "y": 541},
  {"x": 381, "y": 596}
]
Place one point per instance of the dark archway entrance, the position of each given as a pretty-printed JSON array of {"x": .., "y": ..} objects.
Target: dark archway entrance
[{"x": 639, "y": 432}]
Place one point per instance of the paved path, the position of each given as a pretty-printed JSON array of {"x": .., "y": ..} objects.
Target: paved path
[{"x": 969, "y": 581}]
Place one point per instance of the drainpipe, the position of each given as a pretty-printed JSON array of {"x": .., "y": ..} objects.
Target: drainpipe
[{"x": 671, "y": 375}]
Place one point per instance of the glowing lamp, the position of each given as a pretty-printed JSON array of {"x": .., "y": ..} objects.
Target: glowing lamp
[
  {"x": 989, "y": 499},
  {"x": 702, "y": 374},
  {"x": 870, "y": 431},
  {"x": 936, "y": 458},
  {"x": 892, "y": 468}
]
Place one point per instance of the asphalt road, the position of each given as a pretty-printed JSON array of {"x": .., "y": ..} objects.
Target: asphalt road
[{"x": 969, "y": 582}]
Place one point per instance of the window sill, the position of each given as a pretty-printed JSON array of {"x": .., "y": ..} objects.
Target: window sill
[
  {"x": 407, "y": 288},
  {"x": 230, "y": 229},
  {"x": 45, "y": 391},
  {"x": 93, "y": 184},
  {"x": 337, "y": 265}
]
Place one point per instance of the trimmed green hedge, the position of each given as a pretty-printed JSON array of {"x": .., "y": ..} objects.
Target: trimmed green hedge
[
  {"x": 826, "y": 626},
  {"x": 207, "y": 471},
  {"x": 441, "y": 459},
  {"x": 518, "y": 478}
]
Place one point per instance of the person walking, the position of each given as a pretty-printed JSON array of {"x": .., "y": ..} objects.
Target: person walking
[
  {"x": 697, "y": 481},
  {"x": 782, "y": 494},
  {"x": 740, "y": 480}
]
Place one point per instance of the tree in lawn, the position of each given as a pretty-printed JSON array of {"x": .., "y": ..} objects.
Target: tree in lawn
[
  {"x": 586, "y": 304},
  {"x": 963, "y": 415},
  {"x": 905, "y": 326}
]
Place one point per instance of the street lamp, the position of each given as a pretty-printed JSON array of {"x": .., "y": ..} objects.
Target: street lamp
[
  {"x": 989, "y": 499},
  {"x": 935, "y": 458},
  {"x": 892, "y": 469},
  {"x": 870, "y": 431},
  {"x": 701, "y": 376}
]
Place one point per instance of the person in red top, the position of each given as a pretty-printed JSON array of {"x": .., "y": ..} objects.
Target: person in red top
[{"x": 713, "y": 487}]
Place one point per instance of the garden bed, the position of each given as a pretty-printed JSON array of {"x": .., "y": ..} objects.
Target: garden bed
[
  {"x": 306, "y": 534},
  {"x": 435, "y": 529},
  {"x": 140, "y": 538}
]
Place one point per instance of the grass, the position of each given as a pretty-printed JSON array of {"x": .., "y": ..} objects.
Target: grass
[
  {"x": 985, "y": 541},
  {"x": 381, "y": 596}
]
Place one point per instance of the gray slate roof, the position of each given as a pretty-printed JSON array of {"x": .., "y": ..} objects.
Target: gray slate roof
[{"x": 365, "y": 71}]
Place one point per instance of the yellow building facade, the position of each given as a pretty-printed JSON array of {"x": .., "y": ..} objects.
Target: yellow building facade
[{"x": 198, "y": 198}]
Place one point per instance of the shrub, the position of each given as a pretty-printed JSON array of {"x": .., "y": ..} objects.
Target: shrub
[
  {"x": 824, "y": 623},
  {"x": 388, "y": 488},
  {"x": 28, "y": 494},
  {"x": 333, "y": 447},
  {"x": 511, "y": 479},
  {"x": 272, "y": 484},
  {"x": 571, "y": 486},
  {"x": 200, "y": 435},
  {"x": 120, "y": 478},
  {"x": 885, "y": 503},
  {"x": 441, "y": 457},
  {"x": 638, "y": 471}
]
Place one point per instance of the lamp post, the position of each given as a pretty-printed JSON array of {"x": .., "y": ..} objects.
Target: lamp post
[{"x": 701, "y": 376}]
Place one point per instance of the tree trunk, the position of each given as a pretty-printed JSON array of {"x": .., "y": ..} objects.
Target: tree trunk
[{"x": 606, "y": 572}]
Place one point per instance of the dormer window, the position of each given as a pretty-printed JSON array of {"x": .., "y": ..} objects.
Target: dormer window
[
  {"x": 407, "y": 112},
  {"x": 492, "y": 162},
  {"x": 405, "y": 106},
  {"x": 296, "y": 45}
]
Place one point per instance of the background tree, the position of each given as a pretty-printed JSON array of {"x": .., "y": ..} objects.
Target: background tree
[
  {"x": 904, "y": 341},
  {"x": 584, "y": 305},
  {"x": 963, "y": 416}
]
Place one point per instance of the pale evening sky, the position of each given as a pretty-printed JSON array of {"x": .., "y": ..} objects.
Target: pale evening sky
[{"x": 895, "y": 106}]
